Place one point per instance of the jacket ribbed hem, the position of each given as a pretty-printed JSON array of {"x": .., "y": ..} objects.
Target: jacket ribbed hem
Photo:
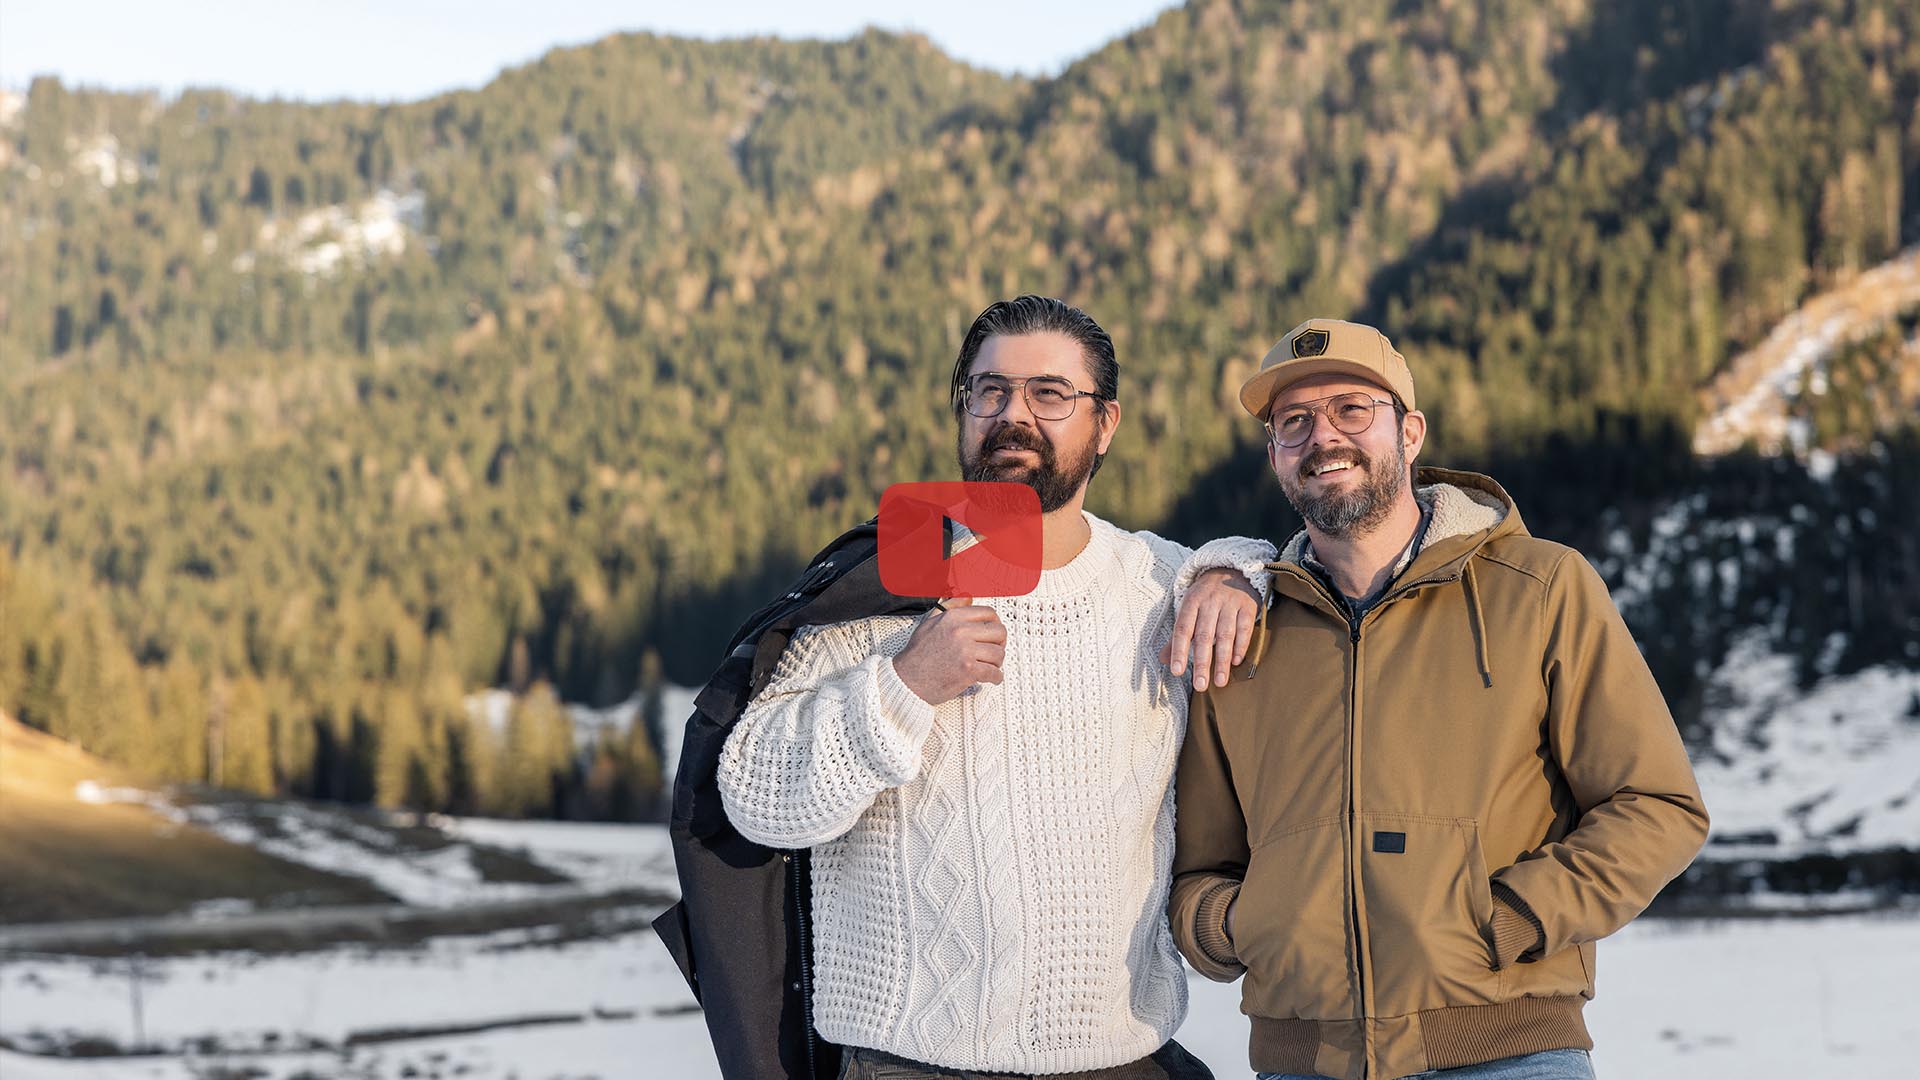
[
  {"x": 1452, "y": 1037},
  {"x": 1472, "y": 1034},
  {"x": 1284, "y": 1046}
]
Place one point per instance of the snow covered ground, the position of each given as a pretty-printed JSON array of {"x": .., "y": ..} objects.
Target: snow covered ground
[
  {"x": 1835, "y": 769},
  {"x": 601, "y": 1008},
  {"x": 1750, "y": 999},
  {"x": 601, "y": 857}
]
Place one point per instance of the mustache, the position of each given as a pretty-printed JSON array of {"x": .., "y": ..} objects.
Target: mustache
[
  {"x": 1009, "y": 437},
  {"x": 1331, "y": 456}
]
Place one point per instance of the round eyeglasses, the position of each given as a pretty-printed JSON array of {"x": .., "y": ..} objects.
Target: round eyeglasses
[
  {"x": 1350, "y": 414},
  {"x": 1049, "y": 397}
]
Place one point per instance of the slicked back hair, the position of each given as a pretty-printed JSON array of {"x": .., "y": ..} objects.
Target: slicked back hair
[{"x": 1039, "y": 315}]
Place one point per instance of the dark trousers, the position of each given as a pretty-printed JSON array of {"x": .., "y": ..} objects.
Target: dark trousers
[{"x": 1170, "y": 1062}]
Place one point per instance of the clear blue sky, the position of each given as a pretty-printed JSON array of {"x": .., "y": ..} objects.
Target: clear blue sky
[{"x": 407, "y": 49}]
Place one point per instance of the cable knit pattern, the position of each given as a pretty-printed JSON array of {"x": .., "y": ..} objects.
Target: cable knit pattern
[{"x": 990, "y": 877}]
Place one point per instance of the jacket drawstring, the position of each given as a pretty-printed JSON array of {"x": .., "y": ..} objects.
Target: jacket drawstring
[
  {"x": 1472, "y": 593},
  {"x": 1259, "y": 639}
]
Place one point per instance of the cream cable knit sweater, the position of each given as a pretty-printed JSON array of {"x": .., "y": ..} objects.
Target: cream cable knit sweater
[{"x": 990, "y": 876}]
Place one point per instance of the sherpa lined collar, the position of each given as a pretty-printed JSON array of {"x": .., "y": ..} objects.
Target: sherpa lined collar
[{"x": 1452, "y": 511}]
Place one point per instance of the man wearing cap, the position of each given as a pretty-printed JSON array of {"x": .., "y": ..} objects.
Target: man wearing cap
[{"x": 1452, "y": 775}]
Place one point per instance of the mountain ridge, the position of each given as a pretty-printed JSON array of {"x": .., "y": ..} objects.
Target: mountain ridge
[{"x": 672, "y": 313}]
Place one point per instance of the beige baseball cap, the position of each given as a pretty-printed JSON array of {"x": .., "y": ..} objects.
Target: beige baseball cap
[{"x": 1327, "y": 347}]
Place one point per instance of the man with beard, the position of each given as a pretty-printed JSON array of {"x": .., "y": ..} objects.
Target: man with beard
[
  {"x": 987, "y": 790},
  {"x": 1409, "y": 839}
]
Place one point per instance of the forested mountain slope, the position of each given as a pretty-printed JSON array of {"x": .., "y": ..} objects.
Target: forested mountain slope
[{"x": 316, "y": 419}]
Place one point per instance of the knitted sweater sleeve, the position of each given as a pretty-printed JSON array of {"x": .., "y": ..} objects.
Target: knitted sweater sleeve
[
  {"x": 833, "y": 728},
  {"x": 1242, "y": 553},
  {"x": 1181, "y": 564}
]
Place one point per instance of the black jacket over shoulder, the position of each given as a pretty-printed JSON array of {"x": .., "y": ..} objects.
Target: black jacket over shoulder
[{"x": 740, "y": 932}]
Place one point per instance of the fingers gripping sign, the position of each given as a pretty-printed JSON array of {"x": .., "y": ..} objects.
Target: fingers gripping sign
[
  {"x": 951, "y": 650},
  {"x": 1215, "y": 625}
]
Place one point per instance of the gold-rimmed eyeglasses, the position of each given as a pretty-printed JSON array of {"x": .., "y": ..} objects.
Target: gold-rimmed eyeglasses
[
  {"x": 1049, "y": 397},
  {"x": 1350, "y": 414}
]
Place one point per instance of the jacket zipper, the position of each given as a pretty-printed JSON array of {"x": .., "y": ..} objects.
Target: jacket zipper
[
  {"x": 1353, "y": 773},
  {"x": 1353, "y": 816},
  {"x": 806, "y": 953},
  {"x": 1361, "y": 958}
]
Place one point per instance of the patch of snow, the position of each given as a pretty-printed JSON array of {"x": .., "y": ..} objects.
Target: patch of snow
[
  {"x": 1748, "y": 402},
  {"x": 676, "y": 706},
  {"x": 222, "y": 908},
  {"x": 100, "y": 157},
  {"x": 310, "y": 837},
  {"x": 596, "y": 858},
  {"x": 1832, "y": 769},
  {"x": 94, "y": 793},
  {"x": 495, "y": 707},
  {"x": 1757, "y": 414},
  {"x": 1841, "y": 901},
  {"x": 601, "y": 857},
  {"x": 322, "y": 241},
  {"x": 1758, "y": 1000},
  {"x": 590, "y": 723},
  {"x": 1635, "y": 577}
]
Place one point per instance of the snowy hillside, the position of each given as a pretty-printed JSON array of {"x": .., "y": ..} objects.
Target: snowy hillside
[
  {"x": 326, "y": 240},
  {"x": 1748, "y": 402},
  {"x": 422, "y": 860},
  {"x": 1830, "y": 770}
]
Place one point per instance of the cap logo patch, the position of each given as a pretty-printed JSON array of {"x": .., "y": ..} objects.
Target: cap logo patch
[{"x": 1310, "y": 343}]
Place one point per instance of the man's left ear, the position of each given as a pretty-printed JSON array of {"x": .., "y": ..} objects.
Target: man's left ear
[
  {"x": 1110, "y": 411},
  {"x": 1413, "y": 434}
]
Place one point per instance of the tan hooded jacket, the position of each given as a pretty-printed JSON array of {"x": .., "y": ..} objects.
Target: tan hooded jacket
[{"x": 1428, "y": 820}]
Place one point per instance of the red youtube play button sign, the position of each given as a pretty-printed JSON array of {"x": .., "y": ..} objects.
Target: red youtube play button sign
[{"x": 916, "y": 530}]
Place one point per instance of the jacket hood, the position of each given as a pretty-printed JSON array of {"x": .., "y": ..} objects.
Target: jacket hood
[{"x": 1469, "y": 511}]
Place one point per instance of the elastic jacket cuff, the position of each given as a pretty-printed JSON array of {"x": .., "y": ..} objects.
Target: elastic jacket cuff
[
  {"x": 1210, "y": 923},
  {"x": 1516, "y": 930}
]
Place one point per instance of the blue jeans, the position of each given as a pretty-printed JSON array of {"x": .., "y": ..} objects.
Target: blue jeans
[{"x": 1546, "y": 1065}]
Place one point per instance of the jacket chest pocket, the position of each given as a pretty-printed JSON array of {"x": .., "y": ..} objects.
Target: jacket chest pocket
[{"x": 1427, "y": 905}]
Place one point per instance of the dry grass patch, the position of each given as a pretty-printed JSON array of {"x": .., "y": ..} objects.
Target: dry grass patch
[{"x": 62, "y": 858}]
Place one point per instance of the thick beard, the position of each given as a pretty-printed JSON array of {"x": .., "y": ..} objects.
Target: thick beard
[
  {"x": 1056, "y": 484},
  {"x": 1356, "y": 510}
]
